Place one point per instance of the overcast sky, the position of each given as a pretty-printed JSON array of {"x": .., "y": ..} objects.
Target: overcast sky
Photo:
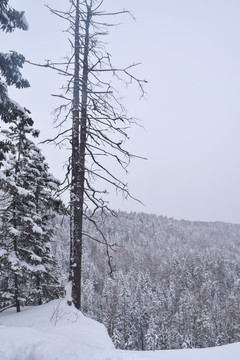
[{"x": 190, "y": 54}]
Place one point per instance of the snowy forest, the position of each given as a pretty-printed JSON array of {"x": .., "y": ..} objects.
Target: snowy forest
[
  {"x": 175, "y": 285},
  {"x": 156, "y": 283}
]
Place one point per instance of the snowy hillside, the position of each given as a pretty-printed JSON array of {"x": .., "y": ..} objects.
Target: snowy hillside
[
  {"x": 57, "y": 331},
  {"x": 169, "y": 276}
]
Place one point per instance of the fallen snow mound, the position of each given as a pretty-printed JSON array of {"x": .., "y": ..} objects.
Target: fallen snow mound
[
  {"x": 51, "y": 331},
  {"x": 55, "y": 331}
]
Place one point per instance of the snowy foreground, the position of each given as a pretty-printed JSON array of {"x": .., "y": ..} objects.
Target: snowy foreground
[{"x": 56, "y": 331}]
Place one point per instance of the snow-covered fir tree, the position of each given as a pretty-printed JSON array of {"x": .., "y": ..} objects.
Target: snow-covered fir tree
[
  {"x": 10, "y": 19},
  {"x": 152, "y": 335},
  {"x": 27, "y": 271},
  {"x": 117, "y": 338},
  {"x": 10, "y": 74}
]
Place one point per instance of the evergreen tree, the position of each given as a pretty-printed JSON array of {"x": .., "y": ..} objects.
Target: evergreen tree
[
  {"x": 152, "y": 335},
  {"x": 117, "y": 339},
  {"x": 26, "y": 216},
  {"x": 10, "y": 19},
  {"x": 10, "y": 65}
]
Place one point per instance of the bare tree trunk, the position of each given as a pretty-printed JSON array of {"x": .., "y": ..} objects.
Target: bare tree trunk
[
  {"x": 16, "y": 294},
  {"x": 16, "y": 285},
  {"x": 78, "y": 159},
  {"x": 38, "y": 282},
  {"x": 75, "y": 236},
  {"x": 16, "y": 282},
  {"x": 95, "y": 110}
]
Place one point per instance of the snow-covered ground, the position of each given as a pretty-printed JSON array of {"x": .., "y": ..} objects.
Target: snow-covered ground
[{"x": 55, "y": 331}]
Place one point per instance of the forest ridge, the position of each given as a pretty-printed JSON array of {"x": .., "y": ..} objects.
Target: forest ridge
[{"x": 176, "y": 282}]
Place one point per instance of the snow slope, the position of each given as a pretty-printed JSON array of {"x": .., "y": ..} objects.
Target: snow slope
[{"x": 55, "y": 331}]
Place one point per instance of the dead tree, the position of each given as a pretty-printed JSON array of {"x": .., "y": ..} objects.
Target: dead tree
[{"x": 99, "y": 124}]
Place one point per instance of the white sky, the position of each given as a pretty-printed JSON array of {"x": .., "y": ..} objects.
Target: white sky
[{"x": 190, "y": 54}]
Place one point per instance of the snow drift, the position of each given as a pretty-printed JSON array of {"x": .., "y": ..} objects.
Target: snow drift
[{"x": 55, "y": 331}]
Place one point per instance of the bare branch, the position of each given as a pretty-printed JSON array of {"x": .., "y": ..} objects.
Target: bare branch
[{"x": 99, "y": 125}]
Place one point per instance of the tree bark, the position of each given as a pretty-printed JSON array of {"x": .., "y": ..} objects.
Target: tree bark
[{"x": 78, "y": 159}]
